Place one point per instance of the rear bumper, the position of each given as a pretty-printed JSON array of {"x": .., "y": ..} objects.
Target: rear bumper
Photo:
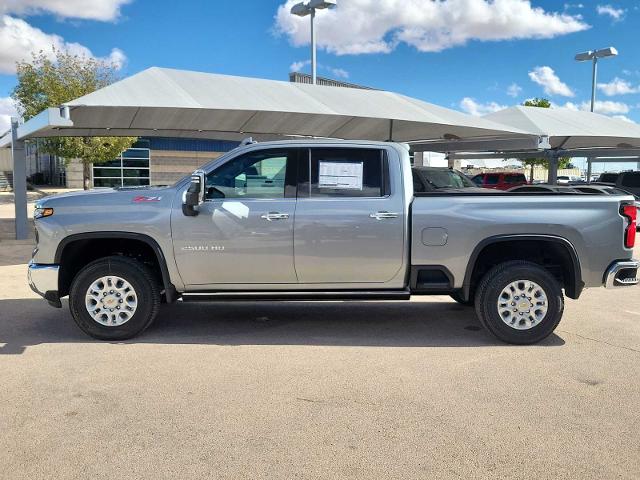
[
  {"x": 622, "y": 274},
  {"x": 43, "y": 279}
]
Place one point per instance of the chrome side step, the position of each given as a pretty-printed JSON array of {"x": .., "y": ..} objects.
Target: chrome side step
[{"x": 298, "y": 295}]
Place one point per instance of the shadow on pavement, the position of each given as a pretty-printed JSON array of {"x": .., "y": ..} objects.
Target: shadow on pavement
[{"x": 27, "y": 322}]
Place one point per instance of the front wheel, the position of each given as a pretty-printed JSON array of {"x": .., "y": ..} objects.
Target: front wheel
[
  {"x": 519, "y": 302},
  {"x": 114, "y": 298}
]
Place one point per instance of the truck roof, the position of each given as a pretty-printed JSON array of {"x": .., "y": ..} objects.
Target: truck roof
[{"x": 321, "y": 141}]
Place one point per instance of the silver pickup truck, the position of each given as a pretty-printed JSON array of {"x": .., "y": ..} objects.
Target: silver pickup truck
[{"x": 325, "y": 220}]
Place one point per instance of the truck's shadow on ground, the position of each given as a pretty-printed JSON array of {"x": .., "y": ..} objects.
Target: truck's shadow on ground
[{"x": 29, "y": 322}]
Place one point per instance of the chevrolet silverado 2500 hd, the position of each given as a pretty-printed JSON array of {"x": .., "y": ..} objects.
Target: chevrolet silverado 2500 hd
[{"x": 325, "y": 220}]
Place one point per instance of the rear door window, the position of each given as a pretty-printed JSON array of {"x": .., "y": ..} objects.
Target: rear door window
[
  {"x": 347, "y": 172},
  {"x": 492, "y": 179},
  {"x": 515, "y": 179}
]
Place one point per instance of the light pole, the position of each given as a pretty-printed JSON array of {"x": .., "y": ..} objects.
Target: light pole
[
  {"x": 309, "y": 8},
  {"x": 594, "y": 55}
]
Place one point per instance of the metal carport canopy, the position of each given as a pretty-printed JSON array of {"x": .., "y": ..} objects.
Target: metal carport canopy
[
  {"x": 570, "y": 129},
  {"x": 559, "y": 128},
  {"x": 177, "y": 103}
]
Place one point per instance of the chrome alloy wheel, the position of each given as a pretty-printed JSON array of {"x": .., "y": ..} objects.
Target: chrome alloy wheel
[
  {"x": 523, "y": 304},
  {"x": 111, "y": 301}
]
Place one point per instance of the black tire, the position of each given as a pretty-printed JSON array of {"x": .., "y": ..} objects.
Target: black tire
[
  {"x": 499, "y": 278},
  {"x": 137, "y": 275},
  {"x": 457, "y": 296}
]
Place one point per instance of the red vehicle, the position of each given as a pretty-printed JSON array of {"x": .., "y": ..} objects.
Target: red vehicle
[{"x": 500, "y": 181}]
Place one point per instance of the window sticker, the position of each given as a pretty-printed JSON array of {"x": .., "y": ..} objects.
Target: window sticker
[{"x": 340, "y": 175}]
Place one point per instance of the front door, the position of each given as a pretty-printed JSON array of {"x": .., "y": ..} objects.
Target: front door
[
  {"x": 243, "y": 234},
  {"x": 350, "y": 225}
]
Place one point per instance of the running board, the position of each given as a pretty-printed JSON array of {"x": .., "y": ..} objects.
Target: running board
[{"x": 298, "y": 295}]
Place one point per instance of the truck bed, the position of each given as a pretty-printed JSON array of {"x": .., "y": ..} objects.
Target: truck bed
[{"x": 448, "y": 229}]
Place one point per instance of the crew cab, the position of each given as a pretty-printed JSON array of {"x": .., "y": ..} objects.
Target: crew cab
[{"x": 325, "y": 220}]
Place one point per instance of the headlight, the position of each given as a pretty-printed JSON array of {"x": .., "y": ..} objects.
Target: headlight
[{"x": 40, "y": 212}]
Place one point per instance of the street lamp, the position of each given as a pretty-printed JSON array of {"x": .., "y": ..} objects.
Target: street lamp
[
  {"x": 309, "y": 8},
  {"x": 594, "y": 55}
]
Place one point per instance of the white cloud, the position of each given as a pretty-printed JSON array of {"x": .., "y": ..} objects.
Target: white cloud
[
  {"x": 606, "y": 107},
  {"x": 19, "y": 40},
  {"x": 624, "y": 118},
  {"x": 7, "y": 110},
  {"x": 374, "y": 26},
  {"x": 547, "y": 78},
  {"x": 617, "y": 86},
  {"x": 615, "y": 13},
  {"x": 298, "y": 66},
  {"x": 103, "y": 10},
  {"x": 336, "y": 72},
  {"x": 472, "y": 107},
  {"x": 514, "y": 90}
]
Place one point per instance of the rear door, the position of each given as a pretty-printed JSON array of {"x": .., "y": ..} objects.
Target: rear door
[{"x": 350, "y": 223}]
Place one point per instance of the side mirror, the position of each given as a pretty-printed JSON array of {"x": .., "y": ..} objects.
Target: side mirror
[{"x": 194, "y": 196}]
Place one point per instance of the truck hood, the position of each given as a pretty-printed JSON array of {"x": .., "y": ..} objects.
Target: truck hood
[{"x": 107, "y": 197}]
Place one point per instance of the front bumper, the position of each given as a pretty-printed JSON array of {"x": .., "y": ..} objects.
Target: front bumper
[
  {"x": 43, "y": 279},
  {"x": 622, "y": 274}
]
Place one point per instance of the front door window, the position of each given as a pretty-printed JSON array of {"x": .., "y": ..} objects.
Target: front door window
[{"x": 259, "y": 174}]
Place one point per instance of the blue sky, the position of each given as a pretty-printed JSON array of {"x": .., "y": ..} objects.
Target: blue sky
[{"x": 471, "y": 55}]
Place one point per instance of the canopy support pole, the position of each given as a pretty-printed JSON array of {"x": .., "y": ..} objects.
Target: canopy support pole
[
  {"x": 553, "y": 168},
  {"x": 19, "y": 158},
  {"x": 589, "y": 168}
]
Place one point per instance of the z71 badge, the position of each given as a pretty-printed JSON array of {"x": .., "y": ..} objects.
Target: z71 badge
[{"x": 145, "y": 198}]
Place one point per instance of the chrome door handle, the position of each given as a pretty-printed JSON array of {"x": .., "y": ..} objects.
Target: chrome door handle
[
  {"x": 383, "y": 215},
  {"x": 271, "y": 216}
]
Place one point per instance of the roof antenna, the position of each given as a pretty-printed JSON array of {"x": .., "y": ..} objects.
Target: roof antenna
[{"x": 247, "y": 141}]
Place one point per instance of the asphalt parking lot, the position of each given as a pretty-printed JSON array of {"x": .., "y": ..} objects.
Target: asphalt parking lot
[{"x": 316, "y": 390}]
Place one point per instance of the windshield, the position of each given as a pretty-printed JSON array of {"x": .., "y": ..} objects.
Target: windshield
[{"x": 446, "y": 179}]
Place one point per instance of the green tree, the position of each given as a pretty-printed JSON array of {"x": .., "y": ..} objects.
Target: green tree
[
  {"x": 45, "y": 82},
  {"x": 538, "y": 102},
  {"x": 564, "y": 162}
]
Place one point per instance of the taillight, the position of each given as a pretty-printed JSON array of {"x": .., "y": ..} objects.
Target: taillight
[{"x": 631, "y": 214}]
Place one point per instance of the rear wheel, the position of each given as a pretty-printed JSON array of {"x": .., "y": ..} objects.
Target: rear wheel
[
  {"x": 114, "y": 298},
  {"x": 519, "y": 302}
]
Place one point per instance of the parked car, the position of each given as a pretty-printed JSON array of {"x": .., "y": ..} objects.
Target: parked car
[
  {"x": 442, "y": 179},
  {"x": 569, "y": 180},
  {"x": 629, "y": 181},
  {"x": 500, "y": 181},
  {"x": 325, "y": 220},
  {"x": 608, "y": 177},
  {"x": 543, "y": 188}
]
